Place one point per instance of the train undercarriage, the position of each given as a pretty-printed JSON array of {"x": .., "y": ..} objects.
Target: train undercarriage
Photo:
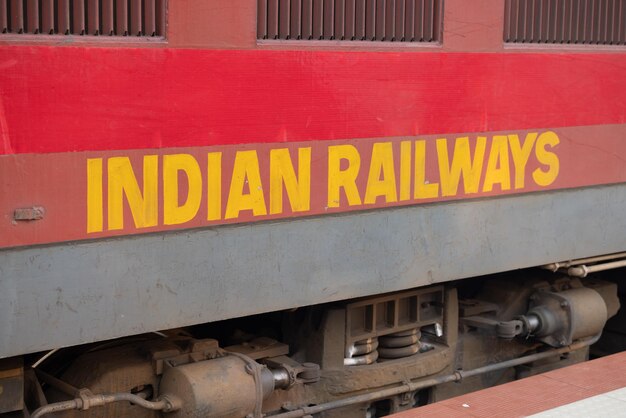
[{"x": 371, "y": 356}]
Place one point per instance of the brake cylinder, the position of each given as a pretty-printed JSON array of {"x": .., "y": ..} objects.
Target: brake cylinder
[{"x": 226, "y": 387}]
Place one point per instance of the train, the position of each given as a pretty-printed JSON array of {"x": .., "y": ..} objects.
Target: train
[{"x": 293, "y": 208}]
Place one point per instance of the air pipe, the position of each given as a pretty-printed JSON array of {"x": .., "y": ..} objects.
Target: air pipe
[{"x": 426, "y": 383}]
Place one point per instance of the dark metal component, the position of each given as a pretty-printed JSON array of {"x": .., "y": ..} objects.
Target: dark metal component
[
  {"x": 108, "y": 18},
  {"x": 370, "y": 20},
  {"x": 296, "y": 19},
  {"x": 260, "y": 348},
  {"x": 149, "y": 18},
  {"x": 369, "y": 358},
  {"x": 361, "y": 352},
  {"x": 287, "y": 372},
  {"x": 32, "y": 15},
  {"x": 568, "y": 315},
  {"x": 359, "y": 20},
  {"x": 318, "y": 19},
  {"x": 121, "y": 23},
  {"x": 11, "y": 384},
  {"x": 399, "y": 34},
  {"x": 29, "y": 214},
  {"x": 161, "y": 22},
  {"x": 241, "y": 385},
  {"x": 390, "y": 20},
  {"x": 350, "y": 11},
  {"x": 363, "y": 347},
  {"x": 510, "y": 329},
  {"x": 340, "y": 11},
  {"x": 272, "y": 19},
  {"x": 307, "y": 19},
  {"x": 136, "y": 28},
  {"x": 87, "y": 400},
  {"x": 78, "y": 18},
  {"x": 17, "y": 16},
  {"x": 4, "y": 16},
  {"x": 47, "y": 17},
  {"x": 589, "y": 22},
  {"x": 400, "y": 339},
  {"x": 430, "y": 382},
  {"x": 261, "y": 19},
  {"x": 57, "y": 383},
  {"x": 63, "y": 17},
  {"x": 348, "y": 20},
  {"x": 284, "y": 12},
  {"x": 380, "y": 20},
  {"x": 93, "y": 17},
  {"x": 393, "y": 322},
  {"x": 329, "y": 19}
]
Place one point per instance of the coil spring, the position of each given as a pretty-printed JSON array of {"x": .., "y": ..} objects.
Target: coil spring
[
  {"x": 400, "y": 344},
  {"x": 362, "y": 353}
]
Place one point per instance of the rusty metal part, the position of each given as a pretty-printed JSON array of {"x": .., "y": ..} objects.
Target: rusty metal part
[
  {"x": 57, "y": 383},
  {"x": 259, "y": 348},
  {"x": 231, "y": 386},
  {"x": 568, "y": 315},
  {"x": 287, "y": 372},
  {"x": 87, "y": 400},
  {"x": 361, "y": 360},
  {"x": 362, "y": 352},
  {"x": 400, "y": 344},
  {"x": 391, "y": 314},
  {"x": 29, "y": 214},
  {"x": 555, "y": 318},
  {"x": 11, "y": 384},
  {"x": 426, "y": 383},
  {"x": 400, "y": 339},
  {"x": 362, "y": 347}
]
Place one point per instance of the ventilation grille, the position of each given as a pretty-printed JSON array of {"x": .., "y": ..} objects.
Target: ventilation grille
[
  {"x": 593, "y": 22},
  {"x": 83, "y": 17},
  {"x": 350, "y": 20}
]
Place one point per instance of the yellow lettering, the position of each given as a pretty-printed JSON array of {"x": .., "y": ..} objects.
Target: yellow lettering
[
  {"x": 498, "y": 170},
  {"x": 462, "y": 164},
  {"x": 282, "y": 173},
  {"x": 214, "y": 186},
  {"x": 343, "y": 179},
  {"x": 381, "y": 165},
  {"x": 173, "y": 212},
  {"x": 550, "y": 159},
  {"x": 520, "y": 154},
  {"x": 423, "y": 190},
  {"x": 144, "y": 205},
  {"x": 246, "y": 171},
  {"x": 94, "y": 195},
  {"x": 405, "y": 170}
]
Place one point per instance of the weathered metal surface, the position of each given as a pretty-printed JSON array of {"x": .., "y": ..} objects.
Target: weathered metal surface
[
  {"x": 75, "y": 293},
  {"x": 11, "y": 384},
  {"x": 89, "y": 17},
  {"x": 565, "y": 22},
  {"x": 350, "y": 20}
]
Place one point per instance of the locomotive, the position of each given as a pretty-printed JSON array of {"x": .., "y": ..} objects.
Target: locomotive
[{"x": 291, "y": 208}]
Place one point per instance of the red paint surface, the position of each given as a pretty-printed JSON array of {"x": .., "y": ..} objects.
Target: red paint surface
[
  {"x": 588, "y": 156},
  {"x": 60, "y": 106},
  {"x": 78, "y": 99}
]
